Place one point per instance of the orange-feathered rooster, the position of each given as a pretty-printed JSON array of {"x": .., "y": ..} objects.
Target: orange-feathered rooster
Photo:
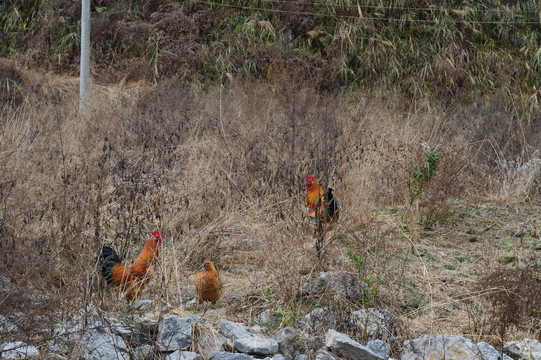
[
  {"x": 323, "y": 209},
  {"x": 208, "y": 286},
  {"x": 130, "y": 279}
]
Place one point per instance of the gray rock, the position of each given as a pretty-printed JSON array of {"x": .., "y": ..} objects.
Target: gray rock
[
  {"x": 490, "y": 353},
  {"x": 440, "y": 347},
  {"x": 373, "y": 323},
  {"x": 223, "y": 355},
  {"x": 269, "y": 318},
  {"x": 174, "y": 333},
  {"x": 256, "y": 329},
  {"x": 286, "y": 339},
  {"x": 98, "y": 342},
  {"x": 18, "y": 350},
  {"x": 39, "y": 299},
  {"x": 320, "y": 319},
  {"x": 324, "y": 354},
  {"x": 301, "y": 357},
  {"x": 207, "y": 344},
  {"x": 265, "y": 316},
  {"x": 343, "y": 344},
  {"x": 143, "y": 305},
  {"x": 72, "y": 329},
  {"x": 344, "y": 284},
  {"x": 278, "y": 357},
  {"x": 58, "y": 347},
  {"x": 5, "y": 284},
  {"x": 232, "y": 330},
  {"x": 310, "y": 344},
  {"x": 6, "y": 326},
  {"x": 143, "y": 352},
  {"x": 380, "y": 348},
  {"x": 525, "y": 349},
  {"x": 183, "y": 355},
  {"x": 256, "y": 344},
  {"x": 119, "y": 327}
]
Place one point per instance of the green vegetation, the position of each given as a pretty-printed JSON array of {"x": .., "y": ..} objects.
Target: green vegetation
[
  {"x": 441, "y": 50},
  {"x": 422, "y": 174}
]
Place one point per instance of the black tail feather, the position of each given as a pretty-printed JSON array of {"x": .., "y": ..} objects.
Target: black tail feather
[
  {"x": 108, "y": 259},
  {"x": 331, "y": 204}
]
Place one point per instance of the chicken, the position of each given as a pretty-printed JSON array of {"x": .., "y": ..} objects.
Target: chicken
[
  {"x": 133, "y": 278},
  {"x": 323, "y": 210},
  {"x": 323, "y": 207},
  {"x": 208, "y": 286}
]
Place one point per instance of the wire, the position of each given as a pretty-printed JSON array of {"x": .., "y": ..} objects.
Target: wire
[
  {"x": 357, "y": 5},
  {"x": 241, "y": 7}
]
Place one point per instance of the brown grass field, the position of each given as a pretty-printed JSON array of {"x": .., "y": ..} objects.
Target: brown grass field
[{"x": 221, "y": 172}]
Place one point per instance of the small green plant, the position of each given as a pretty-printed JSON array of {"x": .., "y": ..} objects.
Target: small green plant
[
  {"x": 372, "y": 292},
  {"x": 422, "y": 174},
  {"x": 356, "y": 259}
]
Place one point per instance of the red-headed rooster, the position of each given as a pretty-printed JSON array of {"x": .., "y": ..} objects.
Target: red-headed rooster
[
  {"x": 323, "y": 209},
  {"x": 208, "y": 286},
  {"x": 130, "y": 279}
]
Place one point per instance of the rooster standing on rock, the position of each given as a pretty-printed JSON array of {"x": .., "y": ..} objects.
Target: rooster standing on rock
[{"x": 323, "y": 210}]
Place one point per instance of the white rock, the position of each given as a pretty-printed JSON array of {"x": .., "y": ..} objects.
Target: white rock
[
  {"x": 18, "y": 350},
  {"x": 440, "y": 347},
  {"x": 232, "y": 330},
  {"x": 525, "y": 349},
  {"x": 174, "y": 333},
  {"x": 490, "y": 353},
  {"x": 343, "y": 344},
  {"x": 99, "y": 343},
  {"x": 256, "y": 344}
]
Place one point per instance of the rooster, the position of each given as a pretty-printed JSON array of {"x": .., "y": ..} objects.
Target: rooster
[
  {"x": 130, "y": 279},
  {"x": 323, "y": 209},
  {"x": 208, "y": 286}
]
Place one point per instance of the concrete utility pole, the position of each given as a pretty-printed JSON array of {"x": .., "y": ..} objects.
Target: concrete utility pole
[{"x": 84, "y": 88}]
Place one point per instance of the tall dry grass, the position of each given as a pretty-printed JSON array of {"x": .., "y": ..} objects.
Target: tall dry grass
[{"x": 220, "y": 172}]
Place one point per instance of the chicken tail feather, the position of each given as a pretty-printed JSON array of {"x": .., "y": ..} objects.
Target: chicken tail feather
[{"x": 109, "y": 258}]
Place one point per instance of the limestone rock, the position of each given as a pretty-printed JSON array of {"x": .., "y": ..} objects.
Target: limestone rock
[
  {"x": 286, "y": 339},
  {"x": 224, "y": 355},
  {"x": 98, "y": 342},
  {"x": 380, "y": 348},
  {"x": 525, "y": 349},
  {"x": 256, "y": 344},
  {"x": 440, "y": 347},
  {"x": 320, "y": 319},
  {"x": 174, "y": 333},
  {"x": 232, "y": 330},
  {"x": 490, "y": 353},
  {"x": 343, "y": 344},
  {"x": 373, "y": 323},
  {"x": 18, "y": 350}
]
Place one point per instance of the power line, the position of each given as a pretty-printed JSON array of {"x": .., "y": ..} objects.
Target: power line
[
  {"x": 241, "y": 7},
  {"x": 376, "y": 7}
]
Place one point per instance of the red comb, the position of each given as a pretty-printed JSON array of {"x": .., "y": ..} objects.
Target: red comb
[
  {"x": 310, "y": 178},
  {"x": 157, "y": 234},
  {"x": 206, "y": 261}
]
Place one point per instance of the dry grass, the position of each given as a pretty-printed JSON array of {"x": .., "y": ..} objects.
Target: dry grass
[{"x": 220, "y": 173}]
